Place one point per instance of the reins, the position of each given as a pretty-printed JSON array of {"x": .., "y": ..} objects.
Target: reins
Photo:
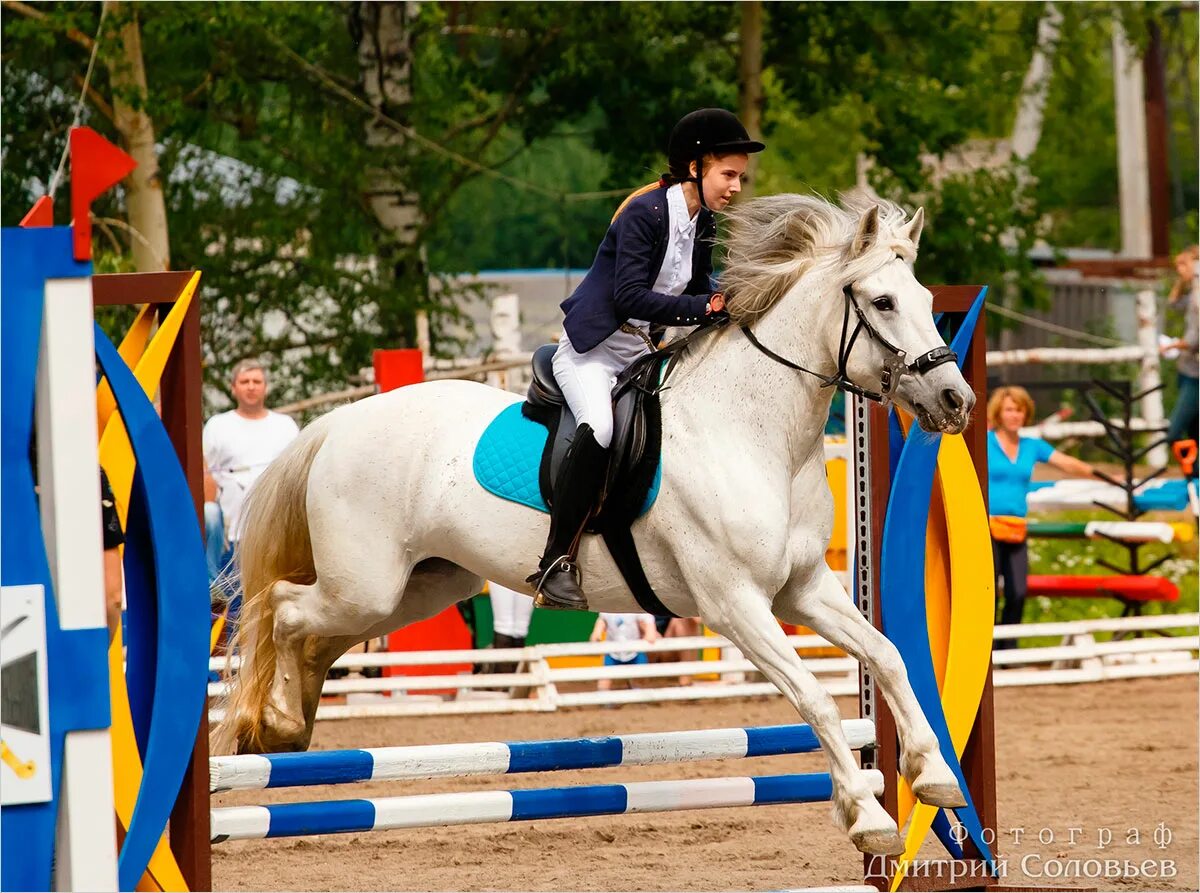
[
  {"x": 634, "y": 374},
  {"x": 894, "y": 366}
]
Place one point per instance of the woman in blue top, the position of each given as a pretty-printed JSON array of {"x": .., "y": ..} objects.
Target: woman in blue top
[
  {"x": 653, "y": 267},
  {"x": 1011, "y": 458}
]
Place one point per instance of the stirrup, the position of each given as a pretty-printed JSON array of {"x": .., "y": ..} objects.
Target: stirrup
[
  {"x": 543, "y": 599},
  {"x": 538, "y": 577}
]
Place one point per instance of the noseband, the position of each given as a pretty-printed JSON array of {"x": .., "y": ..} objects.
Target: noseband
[{"x": 894, "y": 365}]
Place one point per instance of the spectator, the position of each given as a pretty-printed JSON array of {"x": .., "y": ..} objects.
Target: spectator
[
  {"x": 623, "y": 628},
  {"x": 114, "y": 574},
  {"x": 214, "y": 529},
  {"x": 240, "y": 444},
  {"x": 683, "y": 627},
  {"x": 1011, "y": 458},
  {"x": 112, "y": 538},
  {"x": 1185, "y": 295},
  {"x": 511, "y": 611}
]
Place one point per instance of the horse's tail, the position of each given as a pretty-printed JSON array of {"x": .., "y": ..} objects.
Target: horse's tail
[{"x": 274, "y": 546}]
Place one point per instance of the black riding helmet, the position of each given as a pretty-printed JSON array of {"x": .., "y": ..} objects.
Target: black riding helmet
[{"x": 704, "y": 132}]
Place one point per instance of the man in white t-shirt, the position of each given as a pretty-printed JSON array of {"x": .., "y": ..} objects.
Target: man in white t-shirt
[{"x": 241, "y": 443}]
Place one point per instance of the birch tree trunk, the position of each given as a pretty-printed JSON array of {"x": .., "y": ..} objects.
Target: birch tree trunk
[
  {"x": 1027, "y": 129},
  {"x": 750, "y": 95},
  {"x": 385, "y": 60},
  {"x": 144, "y": 195}
]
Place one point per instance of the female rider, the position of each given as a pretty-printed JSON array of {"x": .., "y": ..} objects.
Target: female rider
[{"x": 653, "y": 267}]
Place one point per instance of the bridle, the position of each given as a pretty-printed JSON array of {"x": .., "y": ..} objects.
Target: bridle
[{"x": 894, "y": 365}]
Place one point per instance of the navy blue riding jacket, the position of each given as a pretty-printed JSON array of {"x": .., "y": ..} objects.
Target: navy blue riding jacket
[{"x": 619, "y": 285}]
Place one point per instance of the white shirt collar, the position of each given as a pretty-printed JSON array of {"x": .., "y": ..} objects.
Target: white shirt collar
[{"x": 677, "y": 205}]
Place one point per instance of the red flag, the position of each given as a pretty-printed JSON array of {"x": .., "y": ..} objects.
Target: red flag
[
  {"x": 41, "y": 214},
  {"x": 96, "y": 166}
]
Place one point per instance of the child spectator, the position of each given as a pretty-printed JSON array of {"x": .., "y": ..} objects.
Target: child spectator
[{"x": 623, "y": 628}]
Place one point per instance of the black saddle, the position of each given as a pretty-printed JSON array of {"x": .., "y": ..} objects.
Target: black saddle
[{"x": 634, "y": 456}]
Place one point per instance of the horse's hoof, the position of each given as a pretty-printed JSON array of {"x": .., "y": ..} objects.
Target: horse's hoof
[
  {"x": 875, "y": 832},
  {"x": 280, "y": 732},
  {"x": 939, "y": 793},
  {"x": 878, "y": 842}
]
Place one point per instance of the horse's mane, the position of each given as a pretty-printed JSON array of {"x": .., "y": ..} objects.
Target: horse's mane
[{"x": 772, "y": 241}]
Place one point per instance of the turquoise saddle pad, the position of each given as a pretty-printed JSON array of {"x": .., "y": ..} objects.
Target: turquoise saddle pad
[{"x": 509, "y": 455}]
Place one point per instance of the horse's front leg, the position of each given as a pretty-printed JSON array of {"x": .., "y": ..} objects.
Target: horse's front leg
[
  {"x": 742, "y": 613},
  {"x": 814, "y": 598}
]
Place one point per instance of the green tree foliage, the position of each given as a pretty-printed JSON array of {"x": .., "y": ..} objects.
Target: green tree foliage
[
  {"x": 928, "y": 75},
  {"x": 262, "y": 174},
  {"x": 1076, "y": 163},
  {"x": 535, "y": 118}
]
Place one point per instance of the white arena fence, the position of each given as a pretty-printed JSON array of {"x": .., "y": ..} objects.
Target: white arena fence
[
  {"x": 1063, "y": 430},
  {"x": 537, "y": 686},
  {"x": 1042, "y": 356},
  {"x": 1149, "y": 376}
]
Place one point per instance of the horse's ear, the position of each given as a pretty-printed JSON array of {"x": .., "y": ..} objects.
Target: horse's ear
[
  {"x": 915, "y": 226},
  {"x": 868, "y": 231}
]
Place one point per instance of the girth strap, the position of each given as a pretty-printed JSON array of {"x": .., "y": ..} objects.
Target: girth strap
[{"x": 619, "y": 539}]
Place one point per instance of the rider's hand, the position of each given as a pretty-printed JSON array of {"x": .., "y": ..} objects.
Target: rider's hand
[{"x": 715, "y": 304}]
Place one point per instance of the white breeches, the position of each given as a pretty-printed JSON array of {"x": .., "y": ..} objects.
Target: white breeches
[
  {"x": 587, "y": 381},
  {"x": 510, "y": 611}
]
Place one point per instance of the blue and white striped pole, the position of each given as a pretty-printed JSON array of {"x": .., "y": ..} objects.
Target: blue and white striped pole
[
  {"x": 432, "y": 810},
  {"x": 495, "y": 758}
]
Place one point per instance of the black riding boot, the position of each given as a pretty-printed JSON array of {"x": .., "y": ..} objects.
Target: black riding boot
[{"x": 576, "y": 494}]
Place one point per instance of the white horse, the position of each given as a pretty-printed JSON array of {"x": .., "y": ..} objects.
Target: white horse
[{"x": 372, "y": 519}]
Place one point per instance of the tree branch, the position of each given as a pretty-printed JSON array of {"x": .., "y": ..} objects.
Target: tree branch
[
  {"x": 29, "y": 12},
  {"x": 483, "y": 31},
  {"x": 511, "y": 104},
  {"x": 498, "y": 117},
  {"x": 191, "y": 95},
  {"x": 437, "y": 204},
  {"x": 463, "y": 126}
]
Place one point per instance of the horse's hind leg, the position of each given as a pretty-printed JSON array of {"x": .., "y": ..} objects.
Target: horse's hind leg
[
  {"x": 348, "y": 607},
  {"x": 824, "y": 607},
  {"x": 745, "y": 619},
  {"x": 319, "y": 655},
  {"x": 432, "y": 585}
]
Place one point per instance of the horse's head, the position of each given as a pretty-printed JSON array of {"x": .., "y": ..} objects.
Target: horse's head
[
  {"x": 898, "y": 350},
  {"x": 848, "y": 302}
]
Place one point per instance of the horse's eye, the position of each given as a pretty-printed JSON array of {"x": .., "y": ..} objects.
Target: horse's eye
[{"x": 884, "y": 303}]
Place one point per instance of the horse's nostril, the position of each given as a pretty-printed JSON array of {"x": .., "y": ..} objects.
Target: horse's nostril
[{"x": 952, "y": 399}]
